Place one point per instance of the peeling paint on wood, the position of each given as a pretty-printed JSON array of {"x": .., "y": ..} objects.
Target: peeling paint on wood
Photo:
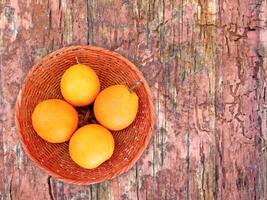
[{"x": 205, "y": 61}]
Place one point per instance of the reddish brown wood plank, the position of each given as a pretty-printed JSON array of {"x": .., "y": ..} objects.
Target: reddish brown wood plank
[
  {"x": 238, "y": 125},
  {"x": 17, "y": 54},
  {"x": 262, "y": 91}
]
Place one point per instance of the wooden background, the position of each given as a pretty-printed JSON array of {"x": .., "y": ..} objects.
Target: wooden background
[{"x": 205, "y": 62}]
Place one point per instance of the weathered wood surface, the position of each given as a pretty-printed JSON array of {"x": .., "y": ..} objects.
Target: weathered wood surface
[{"x": 205, "y": 61}]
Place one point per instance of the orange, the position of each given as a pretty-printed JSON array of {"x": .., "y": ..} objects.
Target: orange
[
  {"x": 54, "y": 120},
  {"x": 79, "y": 85},
  {"x": 116, "y": 107},
  {"x": 91, "y": 145}
]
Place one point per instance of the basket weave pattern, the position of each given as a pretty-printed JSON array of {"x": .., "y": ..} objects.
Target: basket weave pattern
[{"x": 43, "y": 82}]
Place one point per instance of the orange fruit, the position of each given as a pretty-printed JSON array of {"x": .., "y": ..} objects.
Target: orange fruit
[
  {"x": 91, "y": 145},
  {"x": 116, "y": 107},
  {"x": 54, "y": 120},
  {"x": 79, "y": 85}
]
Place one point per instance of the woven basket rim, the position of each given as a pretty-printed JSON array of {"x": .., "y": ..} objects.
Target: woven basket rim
[{"x": 122, "y": 169}]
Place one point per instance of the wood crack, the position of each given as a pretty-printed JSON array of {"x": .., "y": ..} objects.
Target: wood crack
[
  {"x": 50, "y": 190},
  {"x": 137, "y": 181},
  {"x": 90, "y": 34},
  {"x": 202, "y": 160},
  {"x": 10, "y": 188}
]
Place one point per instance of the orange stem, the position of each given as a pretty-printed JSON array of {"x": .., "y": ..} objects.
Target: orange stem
[
  {"x": 135, "y": 85},
  {"x": 77, "y": 60}
]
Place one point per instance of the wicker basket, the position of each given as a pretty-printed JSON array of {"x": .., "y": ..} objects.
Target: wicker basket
[{"x": 43, "y": 82}]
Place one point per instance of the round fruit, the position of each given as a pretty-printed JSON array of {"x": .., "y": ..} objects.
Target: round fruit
[
  {"x": 91, "y": 145},
  {"x": 54, "y": 120},
  {"x": 116, "y": 107},
  {"x": 79, "y": 85}
]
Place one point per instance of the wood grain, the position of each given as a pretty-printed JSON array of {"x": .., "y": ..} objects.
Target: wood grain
[{"x": 205, "y": 61}]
